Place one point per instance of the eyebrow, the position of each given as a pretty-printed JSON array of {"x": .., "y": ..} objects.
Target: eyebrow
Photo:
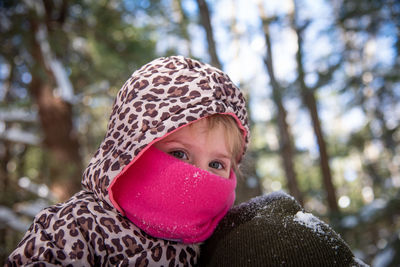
[
  {"x": 172, "y": 141},
  {"x": 218, "y": 154},
  {"x": 223, "y": 155}
]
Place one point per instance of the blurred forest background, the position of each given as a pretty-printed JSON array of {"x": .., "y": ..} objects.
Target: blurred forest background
[{"x": 322, "y": 79}]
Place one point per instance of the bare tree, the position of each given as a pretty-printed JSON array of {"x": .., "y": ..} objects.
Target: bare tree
[
  {"x": 55, "y": 110},
  {"x": 248, "y": 185},
  {"x": 206, "y": 22},
  {"x": 285, "y": 136},
  {"x": 183, "y": 22},
  {"x": 310, "y": 102}
]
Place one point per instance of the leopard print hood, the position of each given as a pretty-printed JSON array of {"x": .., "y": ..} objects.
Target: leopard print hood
[
  {"x": 87, "y": 230},
  {"x": 160, "y": 97}
]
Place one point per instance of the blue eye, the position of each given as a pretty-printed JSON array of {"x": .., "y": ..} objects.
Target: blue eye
[
  {"x": 179, "y": 154},
  {"x": 216, "y": 165}
]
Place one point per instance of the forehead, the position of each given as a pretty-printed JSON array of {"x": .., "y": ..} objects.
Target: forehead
[{"x": 198, "y": 129}]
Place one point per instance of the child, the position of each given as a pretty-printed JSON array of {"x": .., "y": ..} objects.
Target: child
[{"x": 161, "y": 180}]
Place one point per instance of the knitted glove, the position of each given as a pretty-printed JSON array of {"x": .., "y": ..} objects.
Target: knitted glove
[{"x": 273, "y": 230}]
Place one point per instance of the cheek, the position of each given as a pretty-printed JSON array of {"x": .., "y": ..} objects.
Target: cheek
[
  {"x": 160, "y": 146},
  {"x": 226, "y": 173}
]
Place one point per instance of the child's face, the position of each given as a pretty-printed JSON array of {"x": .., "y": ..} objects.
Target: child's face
[{"x": 200, "y": 146}]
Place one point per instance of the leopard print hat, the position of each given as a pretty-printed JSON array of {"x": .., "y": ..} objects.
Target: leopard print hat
[{"x": 160, "y": 97}]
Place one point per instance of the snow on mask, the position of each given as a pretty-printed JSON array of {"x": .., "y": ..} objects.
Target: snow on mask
[{"x": 170, "y": 199}]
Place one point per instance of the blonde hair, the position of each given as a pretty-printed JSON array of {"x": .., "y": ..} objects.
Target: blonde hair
[{"x": 235, "y": 136}]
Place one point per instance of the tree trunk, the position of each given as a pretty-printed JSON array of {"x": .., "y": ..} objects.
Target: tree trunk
[
  {"x": 183, "y": 22},
  {"x": 248, "y": 184},
  {"x": 6, "y": 146},
  {"x": 310, "y": 102},
  {"x": 55, "y": 116},
  {"x": 4, "y": 174},
  {"x": 285, "y": 137},
  {"x": 206, "y": 22},
  {"x": 64, "y": 160}
]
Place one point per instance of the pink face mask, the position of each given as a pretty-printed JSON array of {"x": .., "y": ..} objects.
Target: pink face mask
[{"x": 170, "y": 199}]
